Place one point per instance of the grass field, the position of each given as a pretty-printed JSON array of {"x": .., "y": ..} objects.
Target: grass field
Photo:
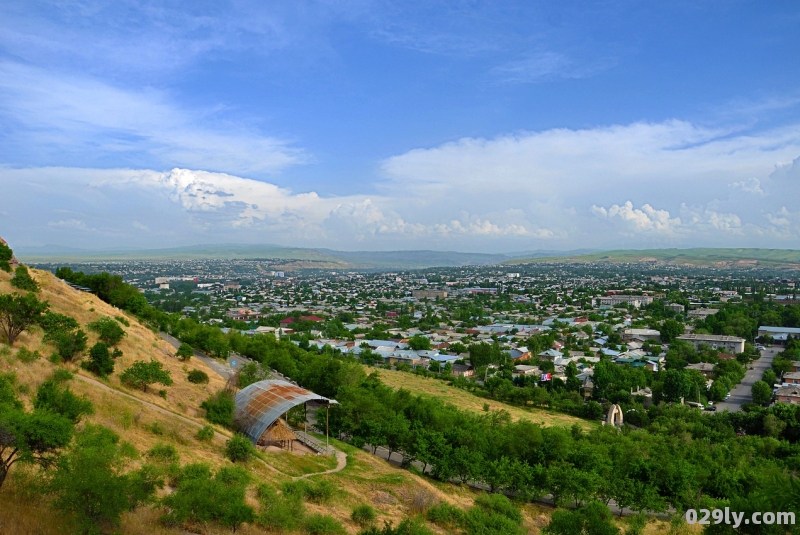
[{"x": 428, "y": 386}]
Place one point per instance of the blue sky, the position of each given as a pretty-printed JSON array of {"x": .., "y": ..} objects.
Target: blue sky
[{"x": 475, "y": 126}]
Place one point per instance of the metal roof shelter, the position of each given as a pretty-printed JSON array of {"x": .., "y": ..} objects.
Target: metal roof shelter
[{"x": 259, "y": 405}]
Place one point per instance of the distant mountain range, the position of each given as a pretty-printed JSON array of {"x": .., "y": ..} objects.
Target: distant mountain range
[
  {"x": 689, "y": 257},
  {"x": 302, "y": 257}
]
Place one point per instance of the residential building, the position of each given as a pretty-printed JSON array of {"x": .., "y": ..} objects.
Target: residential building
[
  {"x": 429, "y": 294},
  {"x": 729, "y": 344},
  {"x": 779, "y": 334},
  {"x": 705, "y": 368},
  {"x": 701, "y": 313},
  {"x": 637, "y": 301},
  {"x": 788, "y": 394}
]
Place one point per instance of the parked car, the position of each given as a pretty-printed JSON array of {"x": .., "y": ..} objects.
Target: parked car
[{"x": 711, "y": 408}]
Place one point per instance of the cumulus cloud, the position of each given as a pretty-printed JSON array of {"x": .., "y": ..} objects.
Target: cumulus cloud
[
  {"x": 682, "y": 185},
  {"x": 644, "y": 219},
  {"x": 751, "y": 185}
]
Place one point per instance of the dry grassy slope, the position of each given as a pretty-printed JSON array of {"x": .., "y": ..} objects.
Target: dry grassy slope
[
  {"x": 429, "y": 386},
  {"x": 392, "y": 491}
]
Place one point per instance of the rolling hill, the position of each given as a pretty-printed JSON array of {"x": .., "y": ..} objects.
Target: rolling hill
[{"x": 778, "y": 258}]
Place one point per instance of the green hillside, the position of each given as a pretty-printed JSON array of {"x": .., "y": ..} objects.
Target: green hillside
[{"x": 693, "y": 257}]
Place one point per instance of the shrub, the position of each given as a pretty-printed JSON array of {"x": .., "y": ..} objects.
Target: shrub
[
  {"x": 279, "y": 511},
  {"x": 363, "y": 515},
  {"x": 184, "y": 352},
  {"x": 23, "y": 280},
  {"x": 198, "y": 377},
  {"x": 317, "y": 524},
  {"x": 199, "y": 497},
  {"x": 407, "y": 527},
  {"x": 26, "y": 357},
  {"x": 239, "y": 448},
  {"x": 206, "y": 433},
  {"x": 5, "y": 255},
  {"x": 108, "y": 330},
  {"x": 445, "y": 514},
  {"x": 122, "y": 320},
  {"x": 320, "y": 491},
  {"x": 219, "y": 408},
  {"x": 54, "y": 397},
  {"x": 100, "y": 361},
  {"x": 69, "y": 344},
  {"x": 163, "y": 453},
  {"x": 62, "y": 375},
  {"x": 498, "y": 503}
]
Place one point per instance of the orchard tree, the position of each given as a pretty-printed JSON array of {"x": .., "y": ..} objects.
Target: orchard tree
[
  {"x": 142, "y": 374},
  {"x": 18, "y": 313}
]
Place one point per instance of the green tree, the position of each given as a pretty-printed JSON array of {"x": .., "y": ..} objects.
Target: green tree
[
  {"x": 30, "y": 437},
  {"x": 19, "y": 313},
  {"x": 670, "y": 330},
  {"x": 762, "y": 393},
  {"x": 419, "y": 342},
  {"x": 201, "y": 497},
  {"x": 769, "y": 377},
  {"x": 142, "y": 374},
  {"x": 108, "y": 330},
  {"x": 100, "y": 361},
  {"x": 23, "y": 280},
  {"x": 239, "y": 448},
  {"x": 89, "y": 484},
  {"x": 185, "y": 352},
  {"x": 220, "y": 408},
  {"x": 718, "y": 390},
  {"x": 5, "y": 256},
  {"x": 53, "y": 396},
  {"x": 70, "y": 344}
]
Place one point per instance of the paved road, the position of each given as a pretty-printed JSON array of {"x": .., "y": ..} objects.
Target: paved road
[
  {"x": 741, "y": 392},
  {"x": 221, "y": 369}
]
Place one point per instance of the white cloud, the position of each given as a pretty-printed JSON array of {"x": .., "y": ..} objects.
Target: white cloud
[
  {"x": 751, "y": 185},
  {"x": 644, "y": 219},
  {"x": 76, "y": 116},
  {"x": 682, "y": 185}
]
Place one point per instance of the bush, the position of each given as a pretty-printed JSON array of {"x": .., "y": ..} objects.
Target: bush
[
  {"x": 23, "y": 280},
  {"x": 198, "y": 377},
  {"x": 239, "y": 449},
  {"x": 322, "y": 525},
  {"x": 123, "y": 321},
  {"x": 5, "y": 255},
  {"x": 220, "y": 408},
  {"x": 363, "y": 515},
  {"x": 199, "y": 497},
  {"x": 100, "y": 361},
  {"x": 446, "y": 515},
  {"x": 163, "y": 453},
  {"x": 54, "y": 397},
  {"x": 320, "y": 491},
  {"x": 206, "y": 433},
  {"x": 279, "y": 511},
  {"x": 184, "y": 352},
  {"x": 498, "y": 503},
  {"x": 108, "y": 330},
  {"x": 26, "y": 357},
  {"x": 407, "y": 527}
]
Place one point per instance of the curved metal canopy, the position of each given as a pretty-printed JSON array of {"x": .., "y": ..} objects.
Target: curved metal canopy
[{"x": 261, "y": 403}]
